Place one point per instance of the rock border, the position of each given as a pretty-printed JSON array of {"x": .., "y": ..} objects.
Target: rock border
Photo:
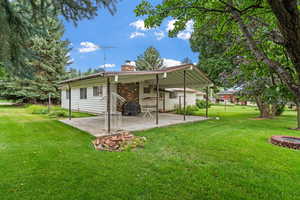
[{"x": 278, "y": 140}]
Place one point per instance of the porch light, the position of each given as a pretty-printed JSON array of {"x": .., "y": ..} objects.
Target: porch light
[
  {"x": 165, "y": 75},
  {"x": 116, "y": 78}
]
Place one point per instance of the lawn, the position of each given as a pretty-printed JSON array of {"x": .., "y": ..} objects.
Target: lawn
[{"x": 229, "y": 158}]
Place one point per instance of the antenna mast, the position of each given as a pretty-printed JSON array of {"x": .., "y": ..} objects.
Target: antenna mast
[{"x": 104, "y": 54}]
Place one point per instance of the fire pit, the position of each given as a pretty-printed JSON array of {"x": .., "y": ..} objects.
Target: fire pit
[{"x": 286, "y": 141}]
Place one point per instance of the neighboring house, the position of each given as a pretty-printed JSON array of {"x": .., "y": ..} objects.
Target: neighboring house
[
  {"x": 200, "y": 95},
  {"x": 176, "y": 95},
  {"x": 230, "y": 96},
  {"x": 89, "y": 93}
]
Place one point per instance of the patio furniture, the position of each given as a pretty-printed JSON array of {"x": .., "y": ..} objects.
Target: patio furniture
[{"x": 147, "y": 109}]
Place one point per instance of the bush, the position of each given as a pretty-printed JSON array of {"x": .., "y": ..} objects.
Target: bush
[
  {"x": 190, "y": 110},
  {"x": 39, "y": 110},
  {"x": 58, "y": 114},
  {"x": 202, "y": 104}
]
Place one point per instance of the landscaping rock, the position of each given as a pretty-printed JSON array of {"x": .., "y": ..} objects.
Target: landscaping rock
[{"x": 120, "y": 141}]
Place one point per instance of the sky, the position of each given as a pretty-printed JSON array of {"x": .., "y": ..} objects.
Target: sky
[{"x": 127, "y": 34}]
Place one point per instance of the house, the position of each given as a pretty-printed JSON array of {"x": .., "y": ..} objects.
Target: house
[
  {"x": 176, "y": 95},
  {"x": 200, "y": 95},
  {"x": 230, "y": 96},
  {"x": 114, "y": 92}
]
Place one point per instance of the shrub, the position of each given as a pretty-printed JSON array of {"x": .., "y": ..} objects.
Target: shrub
[
  {"x": 38, "y": 109},
  {"x": 58, "y": 114},
  {"x": 190, "y": 110},
  {"x": 202, "y": 104}
]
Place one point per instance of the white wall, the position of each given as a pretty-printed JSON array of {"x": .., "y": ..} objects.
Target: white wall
[
  {"x": 170, "y": 104},
  {"x": 190, "y": 100},
  {"x": 92, "y": 104},
  {"x": 200, "y": 97},
  {"x": 97, "y": 104}
]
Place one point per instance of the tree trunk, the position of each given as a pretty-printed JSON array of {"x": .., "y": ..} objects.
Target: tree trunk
[{"x": 263, "y": 108}]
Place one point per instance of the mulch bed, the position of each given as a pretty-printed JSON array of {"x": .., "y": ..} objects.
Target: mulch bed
[{"x": 120, "y": 141}]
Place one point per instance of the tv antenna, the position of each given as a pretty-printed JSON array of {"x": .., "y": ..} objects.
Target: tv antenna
[{"x": 104, "y": 48}]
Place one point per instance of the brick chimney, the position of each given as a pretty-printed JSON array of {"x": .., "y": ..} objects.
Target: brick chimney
[{"x": 127, "y": 66}]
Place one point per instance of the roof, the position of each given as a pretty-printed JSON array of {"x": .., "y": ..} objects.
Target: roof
[
  {"x": 227, "y": 92},
  {"x": 174, "y": 76},
  {"x": 200, "y": 93}
]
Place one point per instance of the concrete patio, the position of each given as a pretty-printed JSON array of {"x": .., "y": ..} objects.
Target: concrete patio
[{"x": 95, "y": 125}]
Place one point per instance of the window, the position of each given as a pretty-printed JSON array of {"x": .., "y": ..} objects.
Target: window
[
  {"x": 173, "y": 95},
  {"x": 83, "y": 93},
  {"x": 67, "y": 94},
  {"x": 147, "y": 90},
  {"x": 97, "y": 91}
]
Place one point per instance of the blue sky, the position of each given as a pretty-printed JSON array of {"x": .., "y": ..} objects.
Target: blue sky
[{"x": 126, "y": 32}]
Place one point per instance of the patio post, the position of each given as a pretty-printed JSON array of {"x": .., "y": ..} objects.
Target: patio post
[
  {"x": 164, "y": 102},
  {"x": 108, "y": 105},
  {"x": 206, "y": 106},
  {"x": 157, "y": 96},
  {"x": 184, "y": 94},
  {"x": 70, "y": 105}
]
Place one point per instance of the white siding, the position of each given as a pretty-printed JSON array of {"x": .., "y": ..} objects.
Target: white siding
[
  {"x": 92, "y": 104},
  {"x": 190, "y": 100},
  {"x": 200, "y": 97},
  {"x": 97, "y": 104},
  {"x": 170, "y": 104}
]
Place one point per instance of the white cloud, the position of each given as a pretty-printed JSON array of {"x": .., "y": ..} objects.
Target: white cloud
[
  {"x": 159, "y": 35},
  {"x": 185, "y": 34},
  {"x": 139, "y": 25},
  {"x": 190, "y": 26},
  {"x": 107, "y": 66},
  {"x": 71, "y": 60},
  {"x": 136, "y": 34},
  {"x": 171, "y": 62},
  {"x": 170, "y": 25},
  {"x": 88, "y": 47}
]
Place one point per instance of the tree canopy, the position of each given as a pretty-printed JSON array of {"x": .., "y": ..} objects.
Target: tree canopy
[
  {"x": 149, "y": 60},
  {"x": 268, "y": 28}
]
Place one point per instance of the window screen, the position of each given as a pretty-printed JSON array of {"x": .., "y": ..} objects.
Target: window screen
[
  {"x": 97, "y": 91},
  {"x": 147, "y": 90},
  {"x": 67, "y": 94},
  {"x": 173, "y": 95},
  {"x": 83, "y": 93}
]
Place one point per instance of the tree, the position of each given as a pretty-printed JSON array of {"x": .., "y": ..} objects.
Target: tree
[
  {"x": 17, "y": 18},
  {"x": 186, "y": 60},
  {"x": 149, "y": 60},
  {"x": 225, "y": 66},
  {"x": 278, "y": 25},
  {"x": 40, "y": 74}
]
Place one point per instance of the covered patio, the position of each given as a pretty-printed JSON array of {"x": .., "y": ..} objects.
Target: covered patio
[
  {"x": 95, "y": 125},
  {"x": 181, "y": 76}
]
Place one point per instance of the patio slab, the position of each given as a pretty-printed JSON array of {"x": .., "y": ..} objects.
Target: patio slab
[{"x": 96, "y": 125}]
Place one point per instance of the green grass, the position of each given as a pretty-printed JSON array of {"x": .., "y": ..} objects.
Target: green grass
[
  {"x": 229, "y": 158},
  {"x": 55, "y": 111},
  {"x": 6, "y": 101}
]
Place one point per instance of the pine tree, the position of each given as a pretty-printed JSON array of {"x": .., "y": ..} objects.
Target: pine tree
[
  {"x": 43, "y": 70},
  {"x": 150, "y": 60},
  {"x": 17, "y": 19}
]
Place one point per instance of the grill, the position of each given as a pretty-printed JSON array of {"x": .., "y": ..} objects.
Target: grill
[{"x": 131, "y": 108}]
